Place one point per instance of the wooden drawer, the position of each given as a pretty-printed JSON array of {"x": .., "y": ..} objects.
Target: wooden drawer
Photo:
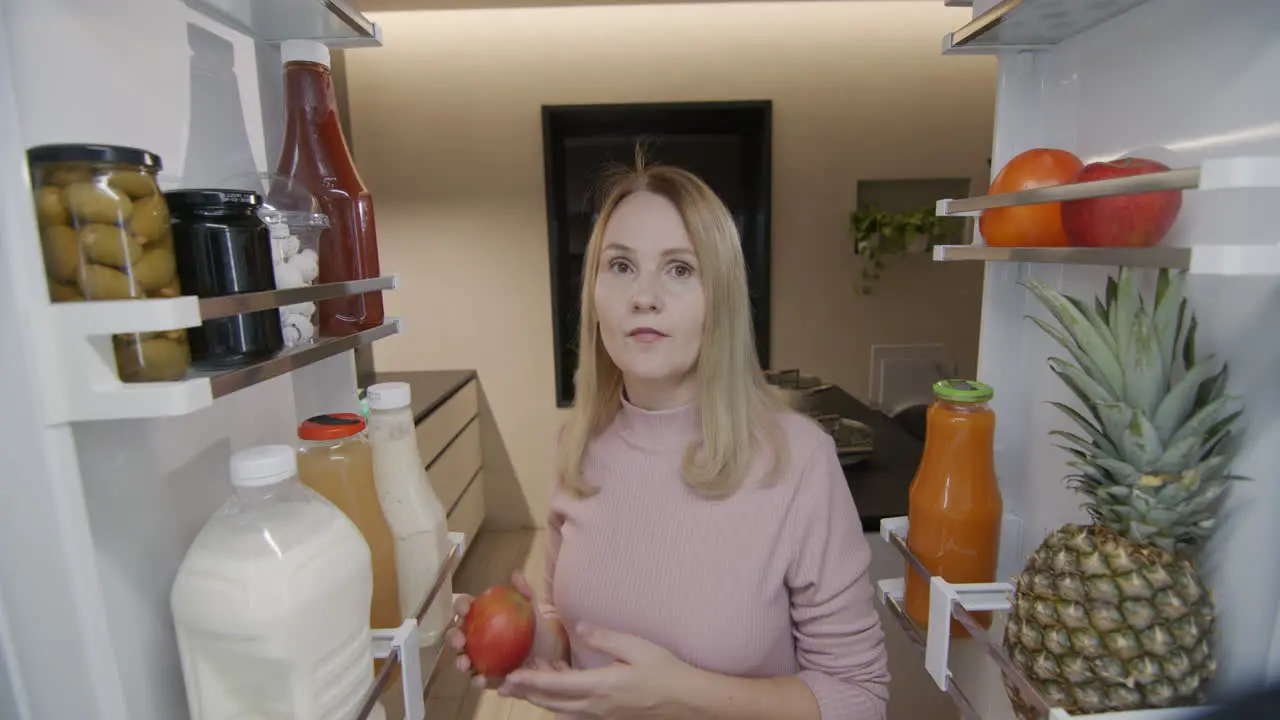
[
  {"x": 468, "y": 514},
  {"x": 443, "y": 425},
  {"x": 455, "y": 467}
]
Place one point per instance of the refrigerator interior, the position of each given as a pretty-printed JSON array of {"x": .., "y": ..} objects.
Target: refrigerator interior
[
  {"x": 1179, "y": 81},
  {"x": 96, "y": 516}
]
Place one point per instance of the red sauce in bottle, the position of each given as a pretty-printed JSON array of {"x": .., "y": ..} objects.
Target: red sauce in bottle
[{"x": 315, "y": 154}]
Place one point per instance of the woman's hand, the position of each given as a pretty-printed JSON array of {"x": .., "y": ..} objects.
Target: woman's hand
[
  {"x": 549, "y": 652},
  {"x": 646, "y": 681}
]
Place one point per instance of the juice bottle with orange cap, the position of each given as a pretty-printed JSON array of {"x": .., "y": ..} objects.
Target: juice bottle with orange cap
[
  {"x": 335, "y": 460},
  {"x": 955, "y": 505}
]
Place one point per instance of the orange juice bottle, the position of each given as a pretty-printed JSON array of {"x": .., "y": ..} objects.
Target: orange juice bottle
[{"x": 955, "y": 505}]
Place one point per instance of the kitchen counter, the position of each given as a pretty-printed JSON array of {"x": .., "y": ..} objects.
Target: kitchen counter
[
  {"x": 428, "y": 389},
  {"x": 879, "y": 484}
]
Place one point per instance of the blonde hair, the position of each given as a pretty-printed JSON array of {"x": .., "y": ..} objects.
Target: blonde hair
[{"x": 738, "y": 407}]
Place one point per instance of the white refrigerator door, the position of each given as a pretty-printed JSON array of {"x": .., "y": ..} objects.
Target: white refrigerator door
[
  {"x": 95, "y": 518},
  {"x": 1179, "y": 81}
]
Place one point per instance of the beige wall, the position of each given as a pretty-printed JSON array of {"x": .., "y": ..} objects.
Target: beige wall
[{"x": 447, "y": 130}]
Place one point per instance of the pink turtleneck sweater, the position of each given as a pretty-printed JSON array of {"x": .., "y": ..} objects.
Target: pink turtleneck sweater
[{"x": 772, "y": 581}]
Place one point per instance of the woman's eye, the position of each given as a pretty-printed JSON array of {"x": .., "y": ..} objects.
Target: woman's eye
[
  {"x": 681, "y": 271},
  {"x": 618, "y": 266}
]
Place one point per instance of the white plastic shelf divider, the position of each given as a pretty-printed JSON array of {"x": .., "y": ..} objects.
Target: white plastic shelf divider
[
  {"x": 1231, "y": 173},
  {"x": 1031, "y": 24},
  {"x": 402, "y": 649},
  {"x": 949, "y": 600},
  {"x": 335, "y": 23}
]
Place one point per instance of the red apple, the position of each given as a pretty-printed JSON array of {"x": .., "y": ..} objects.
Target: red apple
[
  {"x": 499, "y": 631},
  {"x": 1136, "y": 220}
]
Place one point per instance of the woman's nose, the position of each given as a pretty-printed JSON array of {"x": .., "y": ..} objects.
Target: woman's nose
[{"x": 645, "y": 295}]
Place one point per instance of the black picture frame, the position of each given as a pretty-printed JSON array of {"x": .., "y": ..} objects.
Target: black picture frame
[{"x": 728, "y": 144}]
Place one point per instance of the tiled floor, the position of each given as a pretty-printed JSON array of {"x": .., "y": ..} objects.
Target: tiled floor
[{"x": 491, "y": 561}]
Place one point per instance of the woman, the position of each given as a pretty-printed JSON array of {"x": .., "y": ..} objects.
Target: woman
[{"x": 705, "y": 556}]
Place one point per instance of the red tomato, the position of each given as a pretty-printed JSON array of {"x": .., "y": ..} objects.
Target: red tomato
[
  {"x": 499, "y": 631},
  {"x": 1029, "y": 225}
]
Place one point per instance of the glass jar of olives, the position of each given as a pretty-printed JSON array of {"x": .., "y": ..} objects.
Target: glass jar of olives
[{"x": 104, "y": 228}]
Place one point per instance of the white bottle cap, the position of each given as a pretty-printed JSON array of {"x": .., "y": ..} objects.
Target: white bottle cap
[
  {"x": 387, "y": 396},
  {"x": 304, "y": 51},
  {"x": 263, "y": 465}
]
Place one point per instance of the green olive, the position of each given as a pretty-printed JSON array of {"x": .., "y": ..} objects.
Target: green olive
[
  {"x": 99, "y": 282},
  {"x": 59, "y": 292},
  {"x": 163, "y": 359},
  {"x": 50, "y": 209},
  {"x": 64, "y": 175},
  {"x": 134, "y": 183},
  {"x": 109, "y": 245},
  {"x": 61, "y": 253},
  {"x": 150, "y": 219},
  {"x": 98, "y": 203},
  {"x": 156, "y": 269}
]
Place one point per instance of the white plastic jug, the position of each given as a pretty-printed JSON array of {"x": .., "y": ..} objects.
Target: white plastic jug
[{"x": 271, "y": 602}]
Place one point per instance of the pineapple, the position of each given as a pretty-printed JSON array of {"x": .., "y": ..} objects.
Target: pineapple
[{"x": 1114, "y": 615}]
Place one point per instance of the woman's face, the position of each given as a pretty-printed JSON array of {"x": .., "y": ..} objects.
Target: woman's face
[{"x": 649, "y": 296}]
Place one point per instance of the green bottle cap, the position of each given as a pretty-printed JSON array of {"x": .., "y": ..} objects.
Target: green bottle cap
[{"x": 957, "y": 390}]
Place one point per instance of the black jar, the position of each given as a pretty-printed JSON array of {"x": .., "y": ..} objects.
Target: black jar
[{"x": 223, "y": 248}]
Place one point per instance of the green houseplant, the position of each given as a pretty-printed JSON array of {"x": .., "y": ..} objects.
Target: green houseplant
[{"x": 878, "y": 234}]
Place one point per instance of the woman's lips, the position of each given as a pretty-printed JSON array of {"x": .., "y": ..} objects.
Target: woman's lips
[{"x": 646, "y": 335}]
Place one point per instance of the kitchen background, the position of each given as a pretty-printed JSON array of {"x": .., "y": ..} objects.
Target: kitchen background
[{"x": 446, "y": 127}]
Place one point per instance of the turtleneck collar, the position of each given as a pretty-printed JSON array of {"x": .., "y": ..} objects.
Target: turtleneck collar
[{"x": 674, "y": 428}]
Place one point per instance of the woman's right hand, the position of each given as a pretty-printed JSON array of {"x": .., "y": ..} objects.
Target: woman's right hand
[{"x": 548, "y": 651}]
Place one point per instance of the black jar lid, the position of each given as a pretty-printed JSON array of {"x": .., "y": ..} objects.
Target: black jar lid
[
  {"x": 96, "y": 154},
  {"x": 212, "y": 199}
]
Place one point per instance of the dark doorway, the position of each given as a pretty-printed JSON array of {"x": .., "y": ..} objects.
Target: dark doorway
[{"x": 727, "y": 144}]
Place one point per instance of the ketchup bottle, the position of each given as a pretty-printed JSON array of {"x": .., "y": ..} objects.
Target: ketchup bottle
[{"x": 315, "y": 155}]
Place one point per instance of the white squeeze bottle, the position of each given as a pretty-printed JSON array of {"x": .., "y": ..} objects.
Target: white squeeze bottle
[
  {"x": 413, "y": 511},
  {"x": 271, "y": 602}
]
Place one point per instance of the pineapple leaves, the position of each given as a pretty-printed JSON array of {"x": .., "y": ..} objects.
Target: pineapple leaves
[
  {"x": 1204, "y": 418},
  {"x": 1085, "y": 335},
  {"x": 1156, "y": 435},
  {"x": 1095, "y": 319},
  {"x": 1169, "y": 311},
  {"x": 1085, "y": 362},
  {"x": 1144, "y": 375},
  {"x": 1122, "y": 312},
  {"x": 1177, "y": 405},
  {"x": 1089, "y": 391},
  {"x": 1139, "y": 441},
  {"x": 1098, "y": 437}
]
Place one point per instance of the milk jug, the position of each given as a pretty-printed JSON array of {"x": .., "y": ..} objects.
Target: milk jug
[
  {"x": 413, "y": 511},
  {"x": 271, "y": 602}
]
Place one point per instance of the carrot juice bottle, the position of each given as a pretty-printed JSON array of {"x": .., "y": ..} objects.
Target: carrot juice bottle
[{"x": 955, "y": 505}]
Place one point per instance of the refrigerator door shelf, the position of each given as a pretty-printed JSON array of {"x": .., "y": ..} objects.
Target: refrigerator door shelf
[
  {"x": 1031, "y": 24},
  {"x": 1230, "y": 173},
  {"x": 336, "y": 23},
  {"x": 1223, "y": 260},
  {"x": 981, "y": 666},
  {"x": 416, "y": 665},
  {"x": 71, "y": 345}
]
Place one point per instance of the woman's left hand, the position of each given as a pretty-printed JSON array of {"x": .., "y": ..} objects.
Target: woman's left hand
[{"x": 643, "y": 682}]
